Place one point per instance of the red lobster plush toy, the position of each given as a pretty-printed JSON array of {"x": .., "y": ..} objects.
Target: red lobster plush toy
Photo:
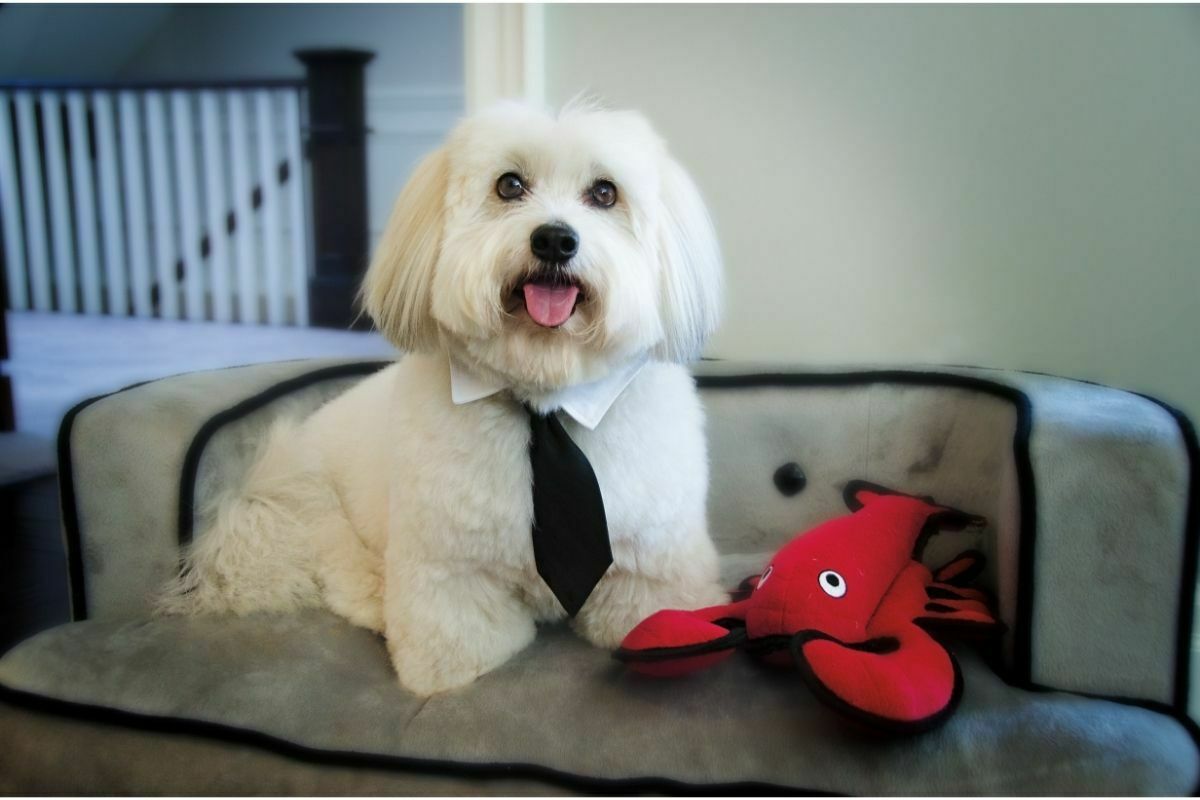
[{"x": 851, "y": 606}]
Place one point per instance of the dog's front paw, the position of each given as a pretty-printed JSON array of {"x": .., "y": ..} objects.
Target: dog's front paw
[
  {"x": 425, "y": 671},
  {"x": 464, "y": 629},
  {"x": 620, "y": 602},
  {"x": 426, "y": 679}
]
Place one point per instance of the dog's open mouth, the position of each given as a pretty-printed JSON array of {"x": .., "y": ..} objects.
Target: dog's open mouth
[{"x": 550, "y": 296}]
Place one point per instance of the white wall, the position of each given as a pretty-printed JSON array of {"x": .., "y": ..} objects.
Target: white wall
[
  {"x": 414, "y": 84},
  {"x": 1005, "y": 186}
]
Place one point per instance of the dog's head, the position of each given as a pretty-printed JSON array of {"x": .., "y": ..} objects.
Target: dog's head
[{"x": 548, "y": 249}]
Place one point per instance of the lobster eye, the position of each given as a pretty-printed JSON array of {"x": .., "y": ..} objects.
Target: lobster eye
[
  {"x": 832, "y": 584},
  {"x": 766, "y": 574}
]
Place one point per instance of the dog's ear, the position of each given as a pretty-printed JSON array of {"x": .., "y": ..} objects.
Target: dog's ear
[
  {"x": 396, "y": 291},
  {"x": 690, "y": 291}
]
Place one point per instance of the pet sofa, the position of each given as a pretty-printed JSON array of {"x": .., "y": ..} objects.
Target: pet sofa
[{"x": 1092, "y": 544}]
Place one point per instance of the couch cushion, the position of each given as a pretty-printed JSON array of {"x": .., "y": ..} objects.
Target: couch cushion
[{"x": 310, "y": 685}]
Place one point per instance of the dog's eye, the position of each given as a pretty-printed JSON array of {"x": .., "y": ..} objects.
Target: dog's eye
[
  {"x": 510, "y": 186},
  {"x": 603, "y": 193}
]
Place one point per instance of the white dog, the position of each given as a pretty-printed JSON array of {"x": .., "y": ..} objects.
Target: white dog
[{"x": 563, "y": 262}]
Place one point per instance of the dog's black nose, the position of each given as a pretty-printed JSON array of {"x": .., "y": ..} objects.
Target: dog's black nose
[{"x": 555, "y": 242}]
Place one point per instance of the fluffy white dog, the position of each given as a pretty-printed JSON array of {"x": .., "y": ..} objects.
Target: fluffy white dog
[{"x": 562, "y": 262}]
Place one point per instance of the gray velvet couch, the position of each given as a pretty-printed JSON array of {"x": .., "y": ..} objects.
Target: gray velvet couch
[{"x": 1092, "y": 543}]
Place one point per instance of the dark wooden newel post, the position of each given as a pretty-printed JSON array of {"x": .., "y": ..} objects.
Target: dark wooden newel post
[
  {"x": 8, "y": 417},
  {"x": 337, "y": 151}
]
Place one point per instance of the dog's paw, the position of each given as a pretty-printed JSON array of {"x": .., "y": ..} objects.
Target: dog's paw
[
  {"x": 623, "y": 601},
  {"x": 424, "y": 684},
  {"x": 424, "y": 673}
]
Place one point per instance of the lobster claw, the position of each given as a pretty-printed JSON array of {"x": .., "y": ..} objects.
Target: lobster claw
[
  {"x": 901, "y": 683},
  {"x": 671, "y": 643}
]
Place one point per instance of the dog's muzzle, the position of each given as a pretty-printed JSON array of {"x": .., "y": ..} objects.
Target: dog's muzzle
[{"x": 551, "y": 293}]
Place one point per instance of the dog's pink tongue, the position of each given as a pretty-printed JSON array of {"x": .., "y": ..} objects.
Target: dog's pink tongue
[{"x": 550, "y": 306}]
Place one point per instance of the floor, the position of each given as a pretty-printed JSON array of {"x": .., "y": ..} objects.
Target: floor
[
  {"x": 56, "y": 360},
  {"x": 33, "y": 571}
]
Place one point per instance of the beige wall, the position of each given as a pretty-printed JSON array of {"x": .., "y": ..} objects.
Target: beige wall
[{"x": 1005, "y": 186}]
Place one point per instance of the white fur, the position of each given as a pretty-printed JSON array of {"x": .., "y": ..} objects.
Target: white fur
[{"x": 410, "y": 515}]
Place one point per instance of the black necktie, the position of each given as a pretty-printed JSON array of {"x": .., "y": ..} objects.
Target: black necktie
[{"x": 570, "y": 533}]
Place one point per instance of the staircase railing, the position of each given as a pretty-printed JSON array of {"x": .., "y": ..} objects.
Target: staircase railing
[{"x": 173, "y": 200}]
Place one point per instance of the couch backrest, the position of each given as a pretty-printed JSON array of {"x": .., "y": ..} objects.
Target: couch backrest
[{"x": 920, "y": 433}]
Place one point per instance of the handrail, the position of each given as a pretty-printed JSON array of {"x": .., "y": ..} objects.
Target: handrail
[{"x": 26, "y": 84}]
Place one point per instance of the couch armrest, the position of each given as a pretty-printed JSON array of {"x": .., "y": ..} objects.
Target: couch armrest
[
  {"x": 1108, "y": 569},
  {"x": 1089, "y": 490},
  {"x": 131, "y": 464}
]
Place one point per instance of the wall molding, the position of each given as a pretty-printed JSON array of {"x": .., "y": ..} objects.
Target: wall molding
[
  {"x": 504, "y": 53},
  {"x": 413, "y": 110},
  {"x": 404, "y": 123}
]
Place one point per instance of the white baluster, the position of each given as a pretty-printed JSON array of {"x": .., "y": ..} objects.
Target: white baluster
[
  {"x": 165, "y": 251},
  {"x": 189, "y": 209},
  {"x": 111, "y": 222},
  {"x": 85, "y": 202},
  {"x": 35, "y": 216},
  {"x": 268, "y": 177},
  {"x": 217, "y": 206},
  {"x": 297, "y": 216},
  {"x": 60, "y": 202},
  {"x": 243, "y": 186},
  {"x": 135, "y": 203},
  {"x": 10, "y": 210}
]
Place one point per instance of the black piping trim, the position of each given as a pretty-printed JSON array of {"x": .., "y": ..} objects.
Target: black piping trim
[
  {"x": 1022, "y": 656},
  {"x": 1191, "y": 548},
  {"x": 191, "y": 461},
  {"x": 403, "y": 764},
  {"x": 72, "y": 541},
  {"x": 70, "y": 511}
]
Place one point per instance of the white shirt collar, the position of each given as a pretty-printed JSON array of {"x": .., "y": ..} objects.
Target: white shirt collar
[{"x": 586, "y": 403}]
